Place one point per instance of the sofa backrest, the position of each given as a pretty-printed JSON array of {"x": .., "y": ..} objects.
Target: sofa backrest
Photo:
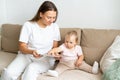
[
  {"x": 95, "y": 42},
  {"x": 9, "y": 37}
]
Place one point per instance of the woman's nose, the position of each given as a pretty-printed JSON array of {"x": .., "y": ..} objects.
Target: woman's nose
[{"x": 52, "y": 20}]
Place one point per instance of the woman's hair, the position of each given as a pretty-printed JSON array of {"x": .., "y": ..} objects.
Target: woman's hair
[
  {"x": 46, "y": 6},
  {"x": 72, "y": 33}
]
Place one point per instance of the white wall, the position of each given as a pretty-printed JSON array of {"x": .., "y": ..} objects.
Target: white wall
[
  {"x": 72, "y": 13},
  {"x": 2, "y": 11}
]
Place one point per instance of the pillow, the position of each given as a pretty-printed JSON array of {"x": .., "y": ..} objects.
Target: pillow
[
  {"x": 111, "y": 55},
  {"x": 113, "y": 72}
]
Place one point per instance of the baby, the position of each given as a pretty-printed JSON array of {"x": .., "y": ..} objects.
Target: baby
[{"x": 71, "y": 56}]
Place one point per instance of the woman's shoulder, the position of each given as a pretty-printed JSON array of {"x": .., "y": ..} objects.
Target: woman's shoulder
[{"x": 29, "y": 23}]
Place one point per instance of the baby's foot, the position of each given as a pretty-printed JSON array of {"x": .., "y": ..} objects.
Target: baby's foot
[
  {"x": 52, "y": 73},
  {"x": 95, "y": 68}
]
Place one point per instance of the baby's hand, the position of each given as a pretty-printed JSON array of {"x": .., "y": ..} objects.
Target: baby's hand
[
  {"x": 78, "y": 63},
  {"x": 53, "y": 53}
]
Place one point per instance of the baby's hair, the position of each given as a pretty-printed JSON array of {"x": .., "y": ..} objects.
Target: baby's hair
[{"x": 72, "y": 33}]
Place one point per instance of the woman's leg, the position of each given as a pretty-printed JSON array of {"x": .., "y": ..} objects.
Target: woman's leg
[
  {"x": 13, "y": 71},
  {"x": 34, "y": 69}
]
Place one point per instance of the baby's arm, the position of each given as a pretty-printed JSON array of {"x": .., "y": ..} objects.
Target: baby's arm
[
  {"x": 55, "y": 52},
  {"x": 79, "y": 60}
]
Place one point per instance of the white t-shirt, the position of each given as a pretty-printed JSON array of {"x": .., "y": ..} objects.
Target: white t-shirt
[{"x": 37, "y": 38}]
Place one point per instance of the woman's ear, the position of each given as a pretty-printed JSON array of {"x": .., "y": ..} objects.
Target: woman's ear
[{"x": 41, "y": 14}]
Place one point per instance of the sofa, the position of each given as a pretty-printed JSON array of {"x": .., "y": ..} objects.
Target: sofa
[{"x": 94, "y": 43}]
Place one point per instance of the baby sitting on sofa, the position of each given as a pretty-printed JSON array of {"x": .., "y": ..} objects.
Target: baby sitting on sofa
[{"x": 71, "y": 56}]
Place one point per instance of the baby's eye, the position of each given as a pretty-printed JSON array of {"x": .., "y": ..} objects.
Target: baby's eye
[{"x": 70, "y": 42}]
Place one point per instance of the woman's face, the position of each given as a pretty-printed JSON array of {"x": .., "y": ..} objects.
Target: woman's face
[{"x": 48, "y": 17}]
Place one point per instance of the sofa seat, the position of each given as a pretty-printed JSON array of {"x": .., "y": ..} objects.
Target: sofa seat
[
  {"x": 67, "y": 75},
  {"x": 5, "y": 59},
  {"x": 73, "y": 75}
]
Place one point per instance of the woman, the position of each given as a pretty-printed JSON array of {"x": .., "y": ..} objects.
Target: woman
[{"x": 37, "y": 37}]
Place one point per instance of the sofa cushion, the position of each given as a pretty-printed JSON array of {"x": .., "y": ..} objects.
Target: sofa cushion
[
  {"x": 5, "y": 59},
  {"x": 72, "y": 75},
  {"x": 63, "y": 31},
  {"x": 10, "y": 35},
  {"x": 95, "y": 42},
  {"x": 111, "y": 55}
]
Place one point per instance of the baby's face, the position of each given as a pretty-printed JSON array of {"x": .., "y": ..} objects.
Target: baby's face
[{"x": 70, "y": 42}]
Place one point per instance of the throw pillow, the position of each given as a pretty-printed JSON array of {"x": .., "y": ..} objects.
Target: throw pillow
[
  {"x": 111, "y": 55},
  {"x": 113, "y": 72}
]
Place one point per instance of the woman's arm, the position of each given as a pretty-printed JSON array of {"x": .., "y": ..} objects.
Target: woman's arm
[
  {"x": 55, "y": 44},
  {"x": 24, "y": 49}
]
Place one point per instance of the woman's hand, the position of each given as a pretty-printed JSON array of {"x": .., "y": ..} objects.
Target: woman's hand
[{"x": 36, "y": 55}]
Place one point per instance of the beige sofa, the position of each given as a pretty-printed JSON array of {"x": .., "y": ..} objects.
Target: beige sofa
[{"x": 94, "y": 43}]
